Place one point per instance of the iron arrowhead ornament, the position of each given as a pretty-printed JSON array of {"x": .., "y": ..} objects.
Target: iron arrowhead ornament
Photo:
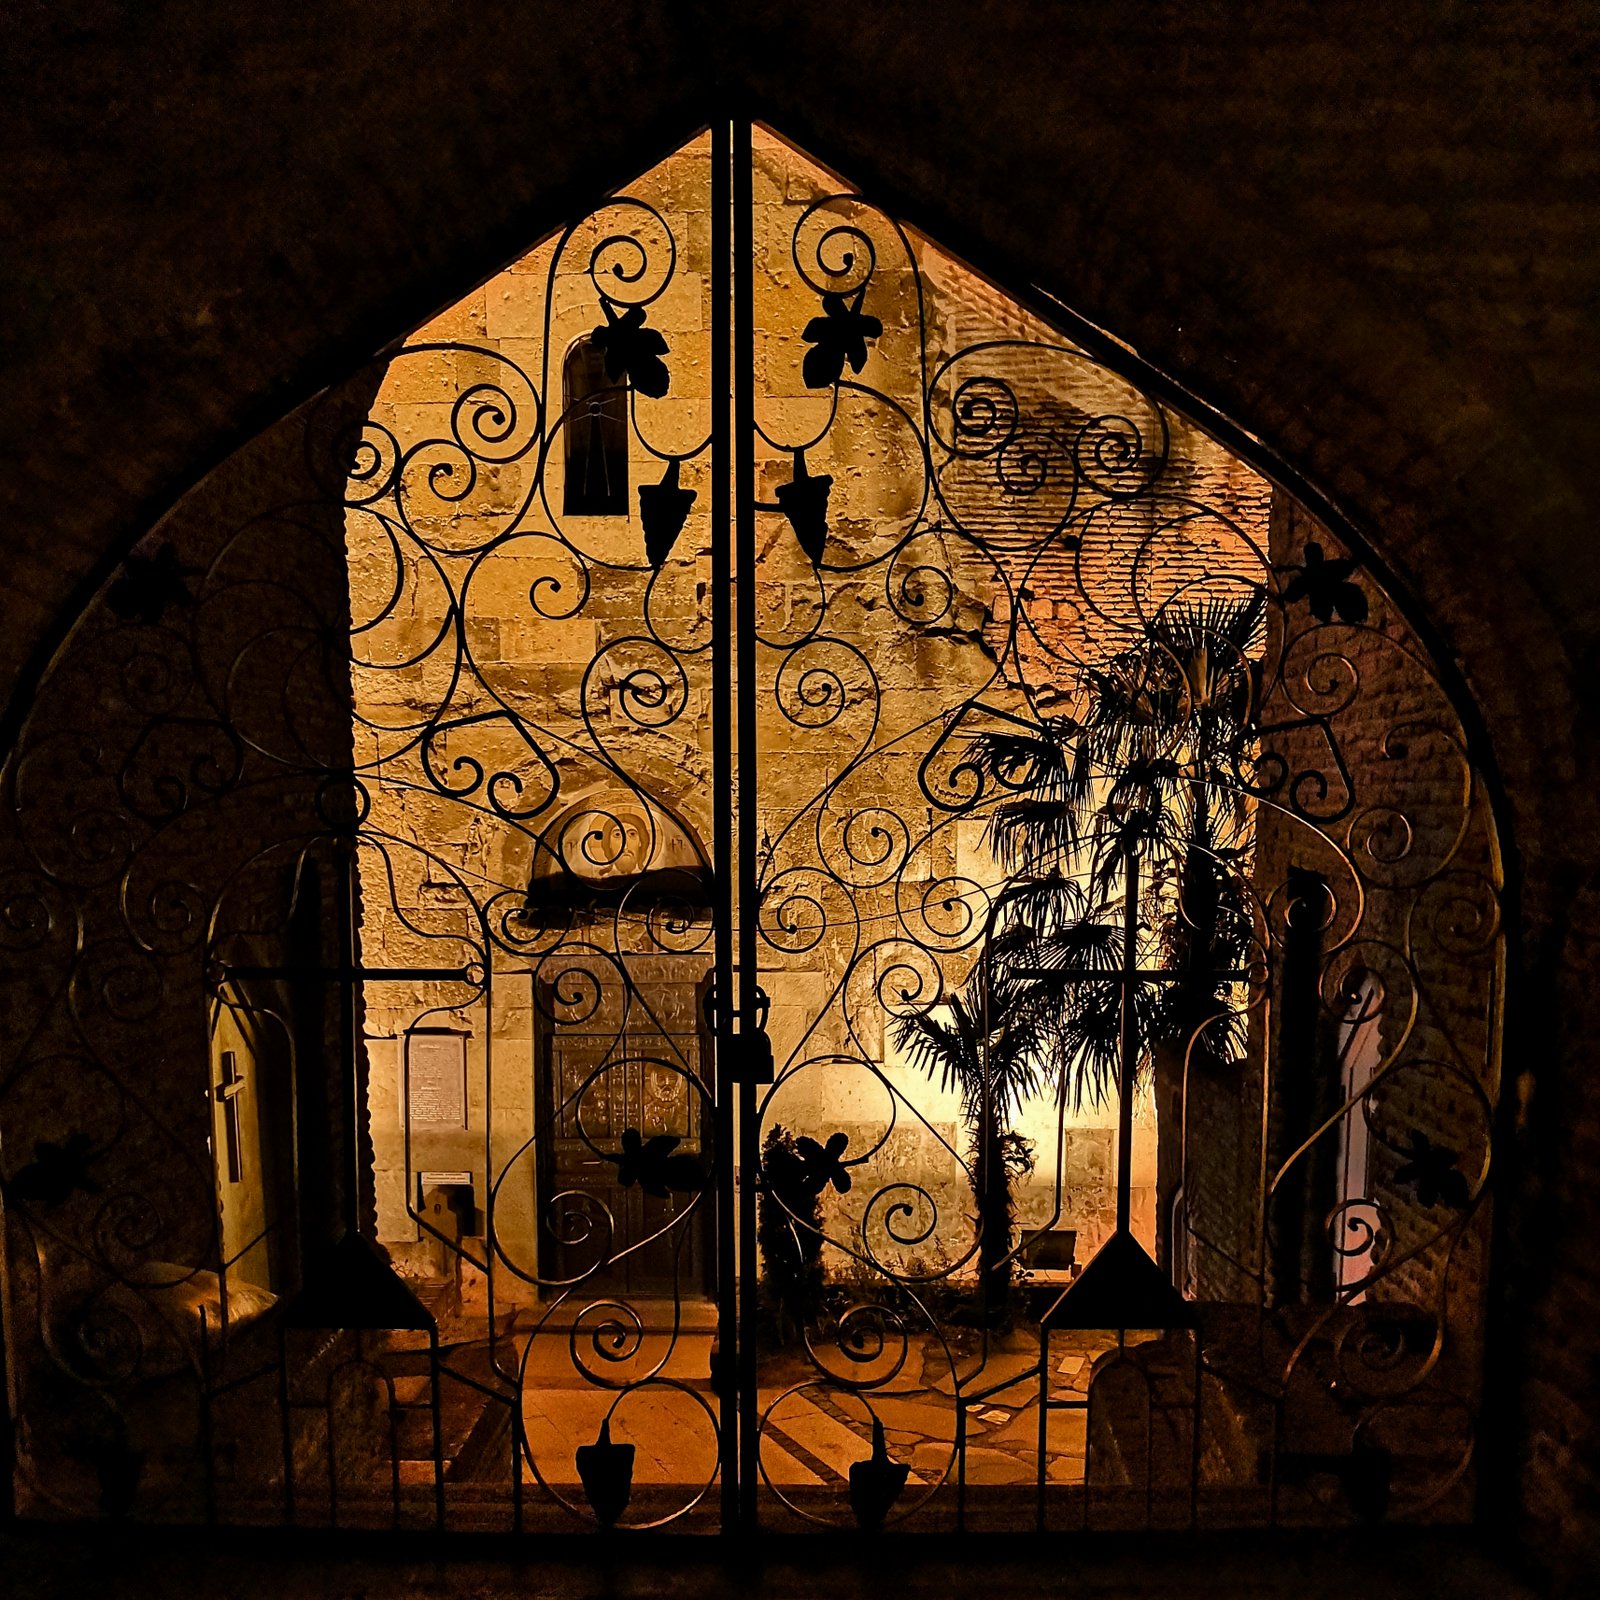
[
  {"x": 875, "y": 1483},
  {"x": 804, "y": 501},
  {"x": 663, "y": 509},
  {"x": 606, "y": 1471}
]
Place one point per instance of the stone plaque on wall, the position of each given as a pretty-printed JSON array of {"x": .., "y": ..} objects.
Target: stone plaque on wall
[{"x": 436, "y": 1075}]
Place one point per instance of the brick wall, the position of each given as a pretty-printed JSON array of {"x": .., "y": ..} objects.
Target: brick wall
[{"x": 1402, "y": 839}]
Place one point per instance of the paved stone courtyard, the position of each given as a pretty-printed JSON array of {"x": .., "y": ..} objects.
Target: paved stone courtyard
[{"x": 813, "y": 1433}]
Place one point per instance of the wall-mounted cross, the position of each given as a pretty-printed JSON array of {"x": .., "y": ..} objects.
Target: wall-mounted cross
[{"x": 227, "y": 1096}]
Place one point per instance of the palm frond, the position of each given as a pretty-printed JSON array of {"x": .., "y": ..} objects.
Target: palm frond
[
  {"x": 1028, "y": 835},
  {"x": 989, "y": 1051},
  {"x": 939, "y": 1049},
  {"x": 1050, "y": 774},
  {"x": 1086, "y": 943},
  {"x": 1040, "y": 904}
]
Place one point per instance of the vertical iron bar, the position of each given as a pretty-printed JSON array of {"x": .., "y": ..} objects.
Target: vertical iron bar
[
  {"x": 961, "y": 1462},
  {"x": 488, "y": 1153},
  {"x": 1130, "y": 1044},
  {"x": 722, "y": 835},
  {"x": 1149, "y": 1440},
  {"x": 207, "y": 1441},
  {"x": 517, "y": 1455},
  {"x": 288, "y": 1425},
  {"x": 1194, "y": 1435},
  {"x": 745, "y": 601},
  {"x": 516, "y": 1401},
  {"x": 351, "y": 1046},
  {"x": 394, "y": 1453},
  {"x": 1044, "y": 1421},
  {"x": 436, "y": 1403},
  {"x": 9, "y": 1400},
  {"x": 331, "y": 1441},
  {"x": 1088, "y": 1447},
  {"x": 223, "y": 1265},
  {"x": 1272, "y": 1464}
]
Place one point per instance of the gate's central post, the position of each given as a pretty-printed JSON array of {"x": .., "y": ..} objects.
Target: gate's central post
[
  {"x": 726, "y": 1374},
  {"x": 745, "y": 619}
]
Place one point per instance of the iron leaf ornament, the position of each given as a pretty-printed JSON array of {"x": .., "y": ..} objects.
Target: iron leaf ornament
[
  {"x": 148, "y": 585},
  {"x": 56, "y": 1171},
  {"x": 651, "y": 1164},
  {"x": 632, "y": 351},
  {"x": 821, "y": 1165},
  {"x": 1325, "y": 586},
  {"x": 1433, "y": 1173},
  {"x": 838, "y": 336}
]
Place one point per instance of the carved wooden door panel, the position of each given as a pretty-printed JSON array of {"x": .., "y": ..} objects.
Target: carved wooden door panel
[{"x": 604, "y": 1193}]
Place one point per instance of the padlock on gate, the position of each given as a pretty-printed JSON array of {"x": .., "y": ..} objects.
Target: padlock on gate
[{"x": 754, "y": 1046}]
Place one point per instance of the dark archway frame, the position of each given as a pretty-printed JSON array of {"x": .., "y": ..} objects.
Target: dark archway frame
[{"x": 1038, "y": 299}]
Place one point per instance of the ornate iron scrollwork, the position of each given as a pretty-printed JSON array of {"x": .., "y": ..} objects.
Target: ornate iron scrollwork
[{"x": 1118, "y": 867}]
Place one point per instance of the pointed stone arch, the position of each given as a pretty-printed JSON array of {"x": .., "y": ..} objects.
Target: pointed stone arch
[{"x": 205, "y": 740}]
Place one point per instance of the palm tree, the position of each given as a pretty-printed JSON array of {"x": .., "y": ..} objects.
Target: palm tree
[
  {"x": 989, "y": 1054},
  {"x": 1153, "y": 770}
]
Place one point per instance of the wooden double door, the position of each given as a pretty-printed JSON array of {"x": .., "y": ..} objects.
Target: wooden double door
[{"x": 625, "y": 1197}]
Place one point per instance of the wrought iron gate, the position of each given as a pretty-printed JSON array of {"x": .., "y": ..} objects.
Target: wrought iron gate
[{"x": 880, "y": 930}]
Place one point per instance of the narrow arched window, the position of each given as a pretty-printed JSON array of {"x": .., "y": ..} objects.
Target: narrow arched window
[{"x": 596, "y": 411}]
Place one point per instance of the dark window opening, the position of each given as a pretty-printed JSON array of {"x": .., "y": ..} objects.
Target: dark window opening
[{"x": 597, "y": 436}]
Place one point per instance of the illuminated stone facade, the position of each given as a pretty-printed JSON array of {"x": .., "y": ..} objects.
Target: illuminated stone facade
[{"x": 545, "y": 632}]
